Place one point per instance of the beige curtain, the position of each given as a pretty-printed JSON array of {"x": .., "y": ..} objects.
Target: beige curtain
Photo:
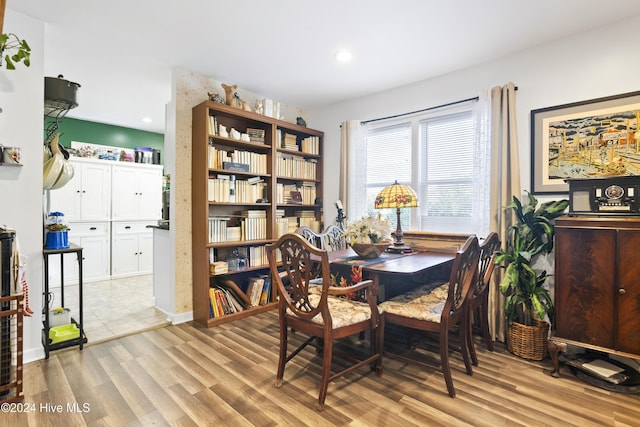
[
  {"x": 353, "y": 161},
  {"x": 505, "y": 184}
]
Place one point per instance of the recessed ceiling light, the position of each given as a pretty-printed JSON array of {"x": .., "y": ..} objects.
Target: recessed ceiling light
[
  {"x": 147, "y": 119},
  {"x": 343, "y": 56}
]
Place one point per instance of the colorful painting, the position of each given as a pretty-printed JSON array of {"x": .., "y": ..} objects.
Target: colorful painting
[{"x": 590, "y": 139}]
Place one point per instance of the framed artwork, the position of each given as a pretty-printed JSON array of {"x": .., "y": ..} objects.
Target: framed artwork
[{"x": 589, "y": 139}]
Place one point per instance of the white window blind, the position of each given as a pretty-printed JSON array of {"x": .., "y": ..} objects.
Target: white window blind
[
  {"x": 435, "y": 153},
  {"x": 389, "y": 151}
]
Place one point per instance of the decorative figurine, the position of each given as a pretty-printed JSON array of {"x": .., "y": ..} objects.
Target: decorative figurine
[
  {"x": 215, "y": 98},
  {"x": 229, "y": 91},
  {"x": 300, "y": 121}
]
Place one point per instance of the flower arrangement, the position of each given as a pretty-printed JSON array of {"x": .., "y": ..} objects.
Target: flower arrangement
[{"x": 368, "y": 230}]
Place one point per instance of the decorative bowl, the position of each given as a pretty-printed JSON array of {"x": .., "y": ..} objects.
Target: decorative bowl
[{"x": 369, "y": 250}]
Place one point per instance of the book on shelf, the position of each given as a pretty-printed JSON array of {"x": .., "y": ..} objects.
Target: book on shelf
[
  {"x": 265, "y": 297},
  {"x": 256, "y": 135},
  {"x": 255, "y": 285},
  {"x": 234, "y": 289},
  {"x": 234, "y": 166},
  {"x": 213, "y": 125}
]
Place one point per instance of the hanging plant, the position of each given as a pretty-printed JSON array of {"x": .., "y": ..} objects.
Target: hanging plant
[{"x": 13, "y": 50}]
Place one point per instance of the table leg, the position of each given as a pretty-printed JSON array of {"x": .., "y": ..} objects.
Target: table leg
[{"x": 555, "y": 348}]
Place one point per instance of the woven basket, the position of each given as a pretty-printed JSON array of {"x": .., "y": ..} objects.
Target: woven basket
[
  {"x": 369, "y": 251},
  {"x": 528, "y": 342}
]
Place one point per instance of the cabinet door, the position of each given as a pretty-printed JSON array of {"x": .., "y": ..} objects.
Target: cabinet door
[
  {"x": 149, "y": 194},
  {"x": 124, "y": 254},
  {"x": 145, "y": 253},
  {"x": 584, "y": 285},
  {"x": 124, "y": 193},
  {"x": 68, "y": 199},
  {"x": 96, "y": 192},
  {"x": 95, "y": 255},
  {"x": 628, "y": 291}
]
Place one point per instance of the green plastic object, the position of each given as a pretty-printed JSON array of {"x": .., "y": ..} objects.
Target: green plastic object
[{"x": 63, "y": 333}]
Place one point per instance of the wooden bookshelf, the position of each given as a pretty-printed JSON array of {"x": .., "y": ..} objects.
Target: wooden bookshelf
[{"x": 204, "y": 135}]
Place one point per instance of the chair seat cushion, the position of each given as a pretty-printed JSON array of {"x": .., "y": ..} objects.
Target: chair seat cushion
[
  {"x": 423, "y": 303},
  {"x": 344, "y": 312}
]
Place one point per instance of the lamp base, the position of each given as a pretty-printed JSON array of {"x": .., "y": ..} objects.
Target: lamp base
[{"x": 399, "y": 249}]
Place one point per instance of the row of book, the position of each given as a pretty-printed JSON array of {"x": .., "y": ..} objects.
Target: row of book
[
  {"x": 224, "y": 159},
  {"x": 254, "y": 224},
  {"x": 256, "y": 256},
  {"x": 226, "y": 297},
  {"x": 296, "y": 167},
  {"x": 289, "y": 141},
  {"x": 306, "y": 190},
  {"x": 310, "y": 145},
  {"x": 227, "y": 189}
]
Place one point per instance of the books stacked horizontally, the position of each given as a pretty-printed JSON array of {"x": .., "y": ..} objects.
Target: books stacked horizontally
[
  {"x": 256, "y": 135},
  {"x": 289, "y": 141},
  {"x": 254, "y": 224}
]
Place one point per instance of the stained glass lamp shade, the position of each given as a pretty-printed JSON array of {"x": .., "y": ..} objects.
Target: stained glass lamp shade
[{"x": 397, "y": 196}]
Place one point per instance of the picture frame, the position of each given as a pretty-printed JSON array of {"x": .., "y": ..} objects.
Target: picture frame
[{"x": 588, "y": 139}]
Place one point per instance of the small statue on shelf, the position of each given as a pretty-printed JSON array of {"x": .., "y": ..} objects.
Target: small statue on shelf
[
  {"x": 215, "y": 98},
  {"x": 300, "y": 121},
  {"x": 229, "y": 92}
]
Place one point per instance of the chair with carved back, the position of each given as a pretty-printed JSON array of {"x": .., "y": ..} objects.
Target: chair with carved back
[
  {"x": 479, "y": 300},
  {"x": 316, "y": 240},
  {"x": 323, "y": 314},
  {"x": 438, "y": 311},
  {"x": 333, "y": 238},
  {"x": 310, "y": 236}
]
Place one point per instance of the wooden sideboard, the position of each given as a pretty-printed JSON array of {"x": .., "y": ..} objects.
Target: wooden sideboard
[{"x": 597, "y": 286}]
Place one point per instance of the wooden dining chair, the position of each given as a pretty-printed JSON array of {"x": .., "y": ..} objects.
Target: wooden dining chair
[
  {"x": 479, "y": 299},
  {"x": 437, "y": 310},
  {"x": 323, "y": 314}
]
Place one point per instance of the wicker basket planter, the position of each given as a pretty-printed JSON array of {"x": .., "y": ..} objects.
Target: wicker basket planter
[{"x": 528, "y": 342}]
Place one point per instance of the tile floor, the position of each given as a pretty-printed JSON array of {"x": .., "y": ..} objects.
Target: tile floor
[{"x": 113, "y": 308}]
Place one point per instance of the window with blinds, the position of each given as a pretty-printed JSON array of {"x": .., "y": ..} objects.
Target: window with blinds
[
  {"x": 389, "y": 151},
  {"x": 434, "y": 154}
]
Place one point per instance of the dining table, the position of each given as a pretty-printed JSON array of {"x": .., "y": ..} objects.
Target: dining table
[{"x": 391, "y": 273}]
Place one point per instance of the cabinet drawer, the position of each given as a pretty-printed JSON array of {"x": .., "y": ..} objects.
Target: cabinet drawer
[
  {"x": 131, "y": 227},
  {"x": 82, "y": 229}
]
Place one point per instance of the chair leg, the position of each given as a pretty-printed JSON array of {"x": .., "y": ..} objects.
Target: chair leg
[
  {"x": 472, "y": 348},
  {"x": 464, "y": 345},
  {"x": 326, "y": 372},
  {"x": 379, "y": 344},
  {"x": 484, "y": 325},
  {"x": 282, "y": 359},
  {"x": 444, "y": 361}
]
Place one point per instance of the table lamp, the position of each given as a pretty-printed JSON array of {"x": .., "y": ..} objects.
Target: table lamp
[{"x": 397, "y": 196}]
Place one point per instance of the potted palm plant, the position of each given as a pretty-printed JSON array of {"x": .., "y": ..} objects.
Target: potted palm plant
[{"x": 527, "y": 300}]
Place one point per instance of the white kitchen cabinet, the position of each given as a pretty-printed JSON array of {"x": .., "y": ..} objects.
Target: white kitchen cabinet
[
  {"x": 87, "y": 196},
  {"x": 136, "y": 192},
  {"x": 131, "y": 248},
  {"x": 95, "y": 239}
]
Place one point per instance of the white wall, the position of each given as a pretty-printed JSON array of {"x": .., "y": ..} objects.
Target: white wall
[
  {"x": 21, "y": 124},
  {"x": 597, "y": 63}
]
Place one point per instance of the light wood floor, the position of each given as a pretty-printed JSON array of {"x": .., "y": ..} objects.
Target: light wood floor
[{"x": 186, "y": 376}]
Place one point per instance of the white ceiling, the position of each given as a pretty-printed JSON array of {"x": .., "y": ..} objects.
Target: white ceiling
[{"x": 122, "y": 52}]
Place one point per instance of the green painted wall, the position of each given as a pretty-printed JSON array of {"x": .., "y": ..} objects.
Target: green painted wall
[{"x": 103, "y": 134}]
